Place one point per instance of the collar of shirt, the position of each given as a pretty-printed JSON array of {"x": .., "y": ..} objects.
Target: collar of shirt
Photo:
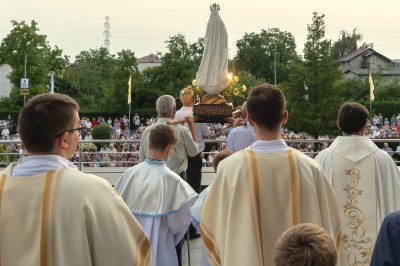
[
  {"x": 163, "y": 120},
  {"x": 32, "y": 165},
  {"x": 270, "y": 146},
  {"x": 354, "y": 136}
]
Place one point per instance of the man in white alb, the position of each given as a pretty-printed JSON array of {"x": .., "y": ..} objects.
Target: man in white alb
[
  {"x": 53, "y": 214},
  {"x": 159, "y": 198},
  {"x": 184, "y": 147},
  {"x": 261, "y": 191},
  {"x": 366, "y": 182}
]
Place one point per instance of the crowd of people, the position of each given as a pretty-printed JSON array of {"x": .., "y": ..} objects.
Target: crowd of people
[{"x": 270, "y": 204}]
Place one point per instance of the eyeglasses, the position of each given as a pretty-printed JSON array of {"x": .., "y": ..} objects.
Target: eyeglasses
[{"x": 78, "y": 129}]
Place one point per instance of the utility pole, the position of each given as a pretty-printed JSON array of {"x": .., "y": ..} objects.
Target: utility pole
[
  {"x": 26, "y": 62},
  {"x": 275, "y": 68}
]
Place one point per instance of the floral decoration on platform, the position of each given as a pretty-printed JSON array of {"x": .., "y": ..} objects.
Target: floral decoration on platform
[{"x": 234, "y": 88}]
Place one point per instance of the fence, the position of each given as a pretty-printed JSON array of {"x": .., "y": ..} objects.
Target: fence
[{"x": 8, "y": 155}]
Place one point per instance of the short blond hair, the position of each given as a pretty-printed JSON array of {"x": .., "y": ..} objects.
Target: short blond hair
[
  {"x": 305, "y": 244},
  {"x": 220, "y": 156}
]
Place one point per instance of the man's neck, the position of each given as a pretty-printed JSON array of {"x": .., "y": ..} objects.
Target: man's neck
[
  {"x": 168, "y": 117},
  {"x": 264, "y": 134},
  {"x": 43, "y": 153},
  {"x": 163, "y": 156}
]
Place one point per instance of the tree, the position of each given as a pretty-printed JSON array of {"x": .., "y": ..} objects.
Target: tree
[
  {"x": 116, "y": 97},
  {"x": 256, "y": 52},
  {"x": 89, "y": 77},
  {"x": 179, "y": 67},
  {"x": 346, "y": 43},
  {"x": 313, "y": 98},
  {"x": 25, "y": 39}
]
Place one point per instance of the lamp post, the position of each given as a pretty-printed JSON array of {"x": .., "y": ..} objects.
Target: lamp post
[{"x": 275, "y": 68}]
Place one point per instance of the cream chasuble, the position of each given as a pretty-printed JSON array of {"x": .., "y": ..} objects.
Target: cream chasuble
[
  {"x": 255, "y": 197},
  {"x": 366, "y": 182},
  {"x": 65, "y": 217}
]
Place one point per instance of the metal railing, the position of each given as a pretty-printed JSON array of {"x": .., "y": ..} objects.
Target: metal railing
[{"x": 8, "y": 154}]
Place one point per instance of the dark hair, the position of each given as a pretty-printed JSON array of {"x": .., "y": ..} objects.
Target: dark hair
[
  {"x": 266, "y": 105},
  {"x": 352, "y": 117},
  {"x": 220, "y": 156},
  {"x": 44, "y": 117},
  {"x": 303, "y": 245},
  {"x": 161, "y": 137}
]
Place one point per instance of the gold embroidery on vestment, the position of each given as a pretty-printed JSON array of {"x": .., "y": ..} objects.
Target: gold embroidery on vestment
[
  {"x": 293, "y": 186},
  {"x": 357, "y": 243}
]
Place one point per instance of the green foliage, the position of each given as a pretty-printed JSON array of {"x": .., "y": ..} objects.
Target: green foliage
[
  {"x": 256, "y": 53},
  {"x": 178, "y": 69},
  {"x": 353, "y": 89},
  {"x": 346, "y": 43},
  {"x": 25, "y": 39},
  {"x": 101, "y": 132},
  {"x": 313, "y": 99}
]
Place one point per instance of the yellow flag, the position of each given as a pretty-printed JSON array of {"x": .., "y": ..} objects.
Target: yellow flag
[
  {"x": 129, "y": 89},
  {"x": 371, "y": 87}
]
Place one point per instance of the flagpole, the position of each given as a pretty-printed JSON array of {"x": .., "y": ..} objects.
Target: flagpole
[{"x": 129, "y": 123}]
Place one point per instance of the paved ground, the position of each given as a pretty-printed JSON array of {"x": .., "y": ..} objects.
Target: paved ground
[{"x": 195, "y": 253}]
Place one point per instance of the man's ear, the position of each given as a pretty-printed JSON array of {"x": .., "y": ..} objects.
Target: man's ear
[
  {"x": 251, "y": 122},
  {"x": 285, "y": 117},
  {"x": 62, "y": 141}
]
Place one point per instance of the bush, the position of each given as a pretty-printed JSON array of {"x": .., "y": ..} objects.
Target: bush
[{"x": 101, "y": 132}]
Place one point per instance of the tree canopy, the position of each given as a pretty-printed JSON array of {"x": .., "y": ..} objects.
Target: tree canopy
[{"x": 257, "y": 52}]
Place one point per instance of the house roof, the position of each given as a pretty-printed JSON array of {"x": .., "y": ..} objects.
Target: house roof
[
  {"x": 353, "y": 54},
  {"x": 149, "y": 59},
  {"x": 362, "y": 52},
  {"x": 382, "y": 72}
]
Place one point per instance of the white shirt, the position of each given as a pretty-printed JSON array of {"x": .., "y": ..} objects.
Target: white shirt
[
  {"x": 201, "y": 130},
  {"x": 5, "y": 133},
  {"x": 32, "y": 165}
]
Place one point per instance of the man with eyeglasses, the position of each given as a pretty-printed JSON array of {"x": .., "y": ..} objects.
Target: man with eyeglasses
[{"x": 53, "y": 214}]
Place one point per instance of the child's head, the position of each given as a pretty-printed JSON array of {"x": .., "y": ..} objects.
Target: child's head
[
  {"x": 220, "y": 156},
  {"x": 305, "y": 244},
  {"x": 162, "y": 137}
]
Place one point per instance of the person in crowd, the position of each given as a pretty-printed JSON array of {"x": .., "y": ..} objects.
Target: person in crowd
[
  {"x": 387, "y": 149},
  {"x": 88, "y": 136},
  {"x": 53, "y": 214},
  {"x": 5, "y": 133},
  {"x": 94, "y": 122},
  {"x": 158, "y": 197},
  {"x": 105, "y": 154},
  {"x": 304, "y": 245},
  {"x": 387, "y": 246},
  {"x": 185, "y": 146},
  {"x": 193, "y": 171},
  {"x": 243, "y": 136},
  {"x": 365, "y": 180},
  {"x": 261, "y": 191}
]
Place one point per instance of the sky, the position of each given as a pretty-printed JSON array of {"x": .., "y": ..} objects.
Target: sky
[{"x": 143, "y": 26}]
